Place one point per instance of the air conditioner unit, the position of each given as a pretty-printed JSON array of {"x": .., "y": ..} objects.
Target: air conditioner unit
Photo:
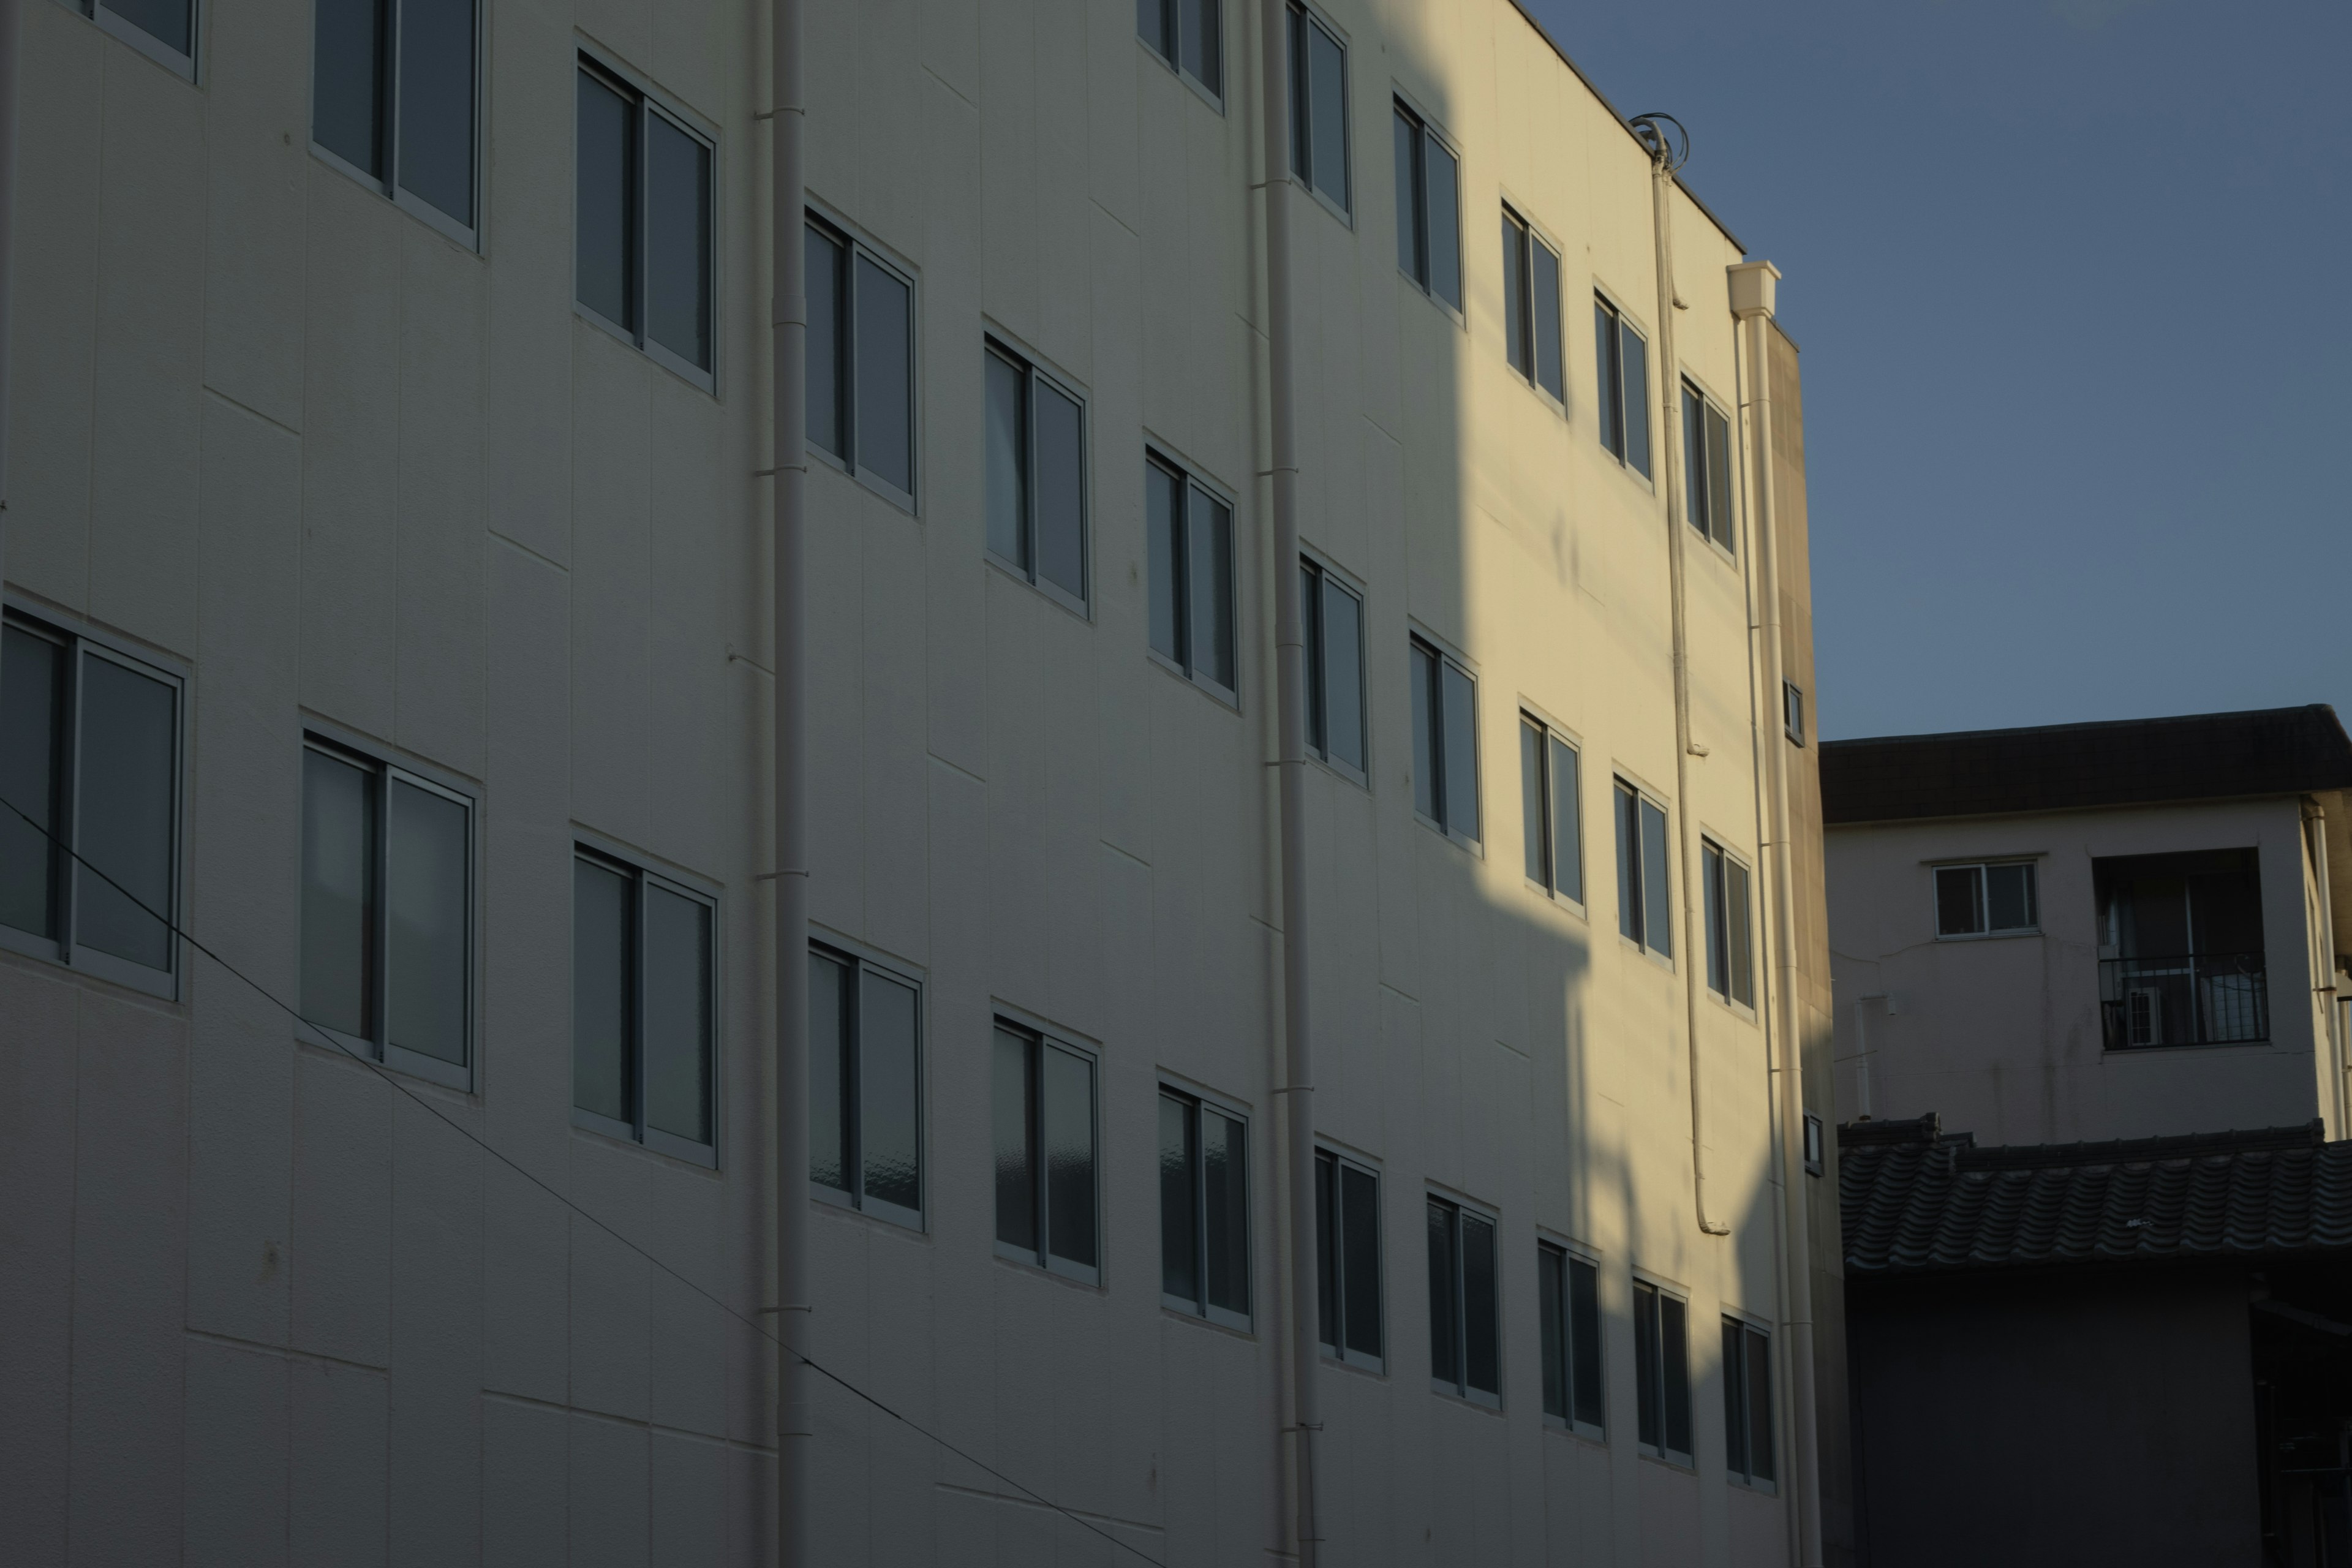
[{"x": 2143, "y": 1015}]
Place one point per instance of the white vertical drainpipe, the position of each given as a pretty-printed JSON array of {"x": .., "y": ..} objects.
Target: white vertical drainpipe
[
  {"x": 1670, "y": 371},
  {"x": 796, "y": 1418},
  {"x": 1753, "y": 288},
  {"x": 1290, "y": 667},
  {"x": 2315, "y": 821}
]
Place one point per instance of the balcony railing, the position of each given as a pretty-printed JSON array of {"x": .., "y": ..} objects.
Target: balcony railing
[{"x": 2194, "y": 999}]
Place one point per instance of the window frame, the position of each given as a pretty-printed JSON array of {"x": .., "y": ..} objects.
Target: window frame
[
  {"x": 1614, "y": 409},
  {"x": 1738, "y": 1386},
  {"x": 815, "y": 216},
  {"x": 1982, "y": 865},
  {"x": 1573, "y": 1256},
  {"x": 1443, "y": 825},
  {"x": 993, "y": 342},
  {"x": 1043, "y": 1257},
  {"x": 1700, "y": 486},
  {"x": 1459, "y": 1213},
  {"x": 1300, "y": 16},
  {"x": 1624, "y": 788},
  {"x": 1423, "y": 130},
  {"x": 1202, "y": 1310},
  {"x": 649, "y": 102},
  {"x": 1660, "y": 1389},
  {"x": 1816, "y": 1149},
  {"x": 387, "y": 185},
  {"x": 1341, "y": 1353},
  {"x": 1314, "y": 564},
  {"x": 609, "y": 855},
  {"x": 1156, "y": 454},
  {"x": 124, "y": 30},
  {"x": 1547, "y": 736},
  {"x": 1213, "y": 96},
  {"x": 1523, "y": 355},
  {"x": 386, "y": 766},
  {"x": 79, "y": 637},
  {"x": 1792, "y": 711},
  {"x": 859, "y": 960},
  {"x": 1717, "y": 861}
]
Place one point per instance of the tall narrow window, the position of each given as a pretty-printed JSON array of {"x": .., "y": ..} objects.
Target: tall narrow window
[
  {"x": 1465, "y": 1354},
  {"x": 1730, "y": 963},
  {"x": 1348, "y": 1259},
  {"x": 394, "y": 100},
  {"x": 1187, "y": 35},
  {"x": 387, "y": 912},
  {"x": 1318, "y": 108},
  {"x": 1532, "y": 305},
  {"x": 1568, "y": 1289},
  {"x": 1190, "y": 535},
  {"x": 643, "y": 1014},
  {"x": 1044, "y": 1135},
  {"x": 861, "y": 361},
  {"x": 1707, "y": 469},
  {"x": 1624, "y": 359},
  {"x": 90, "y": 806},
  {"x": 1429, "y": 218},
  {"x": 1747, "y": 1403},
  {"x": 1444, "y": 743},
  {"x": 644, "y": 223},
  {"x": 1548, "y": 794},
  {"x": 1662, "y": 1372},
  {"x": 1332, "y": 615},
  {"x": 1036, "y": 476},
  {"x": 1204, "y": 1259},
  {"x": 1792, "y": 711},
  {"x": 1644, "y": 906},
  {"x": 866, "y": 1087}
]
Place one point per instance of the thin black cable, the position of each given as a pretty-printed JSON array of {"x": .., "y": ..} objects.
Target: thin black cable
[{"x": 467, "y": 1132}]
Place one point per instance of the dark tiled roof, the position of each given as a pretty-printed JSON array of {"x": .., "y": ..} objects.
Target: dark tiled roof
[
  {"x": 2134, "y": 762},
  {"x": 1915, "y": 1200}
]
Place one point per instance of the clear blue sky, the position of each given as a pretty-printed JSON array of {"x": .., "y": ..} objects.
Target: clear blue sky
[{"x": 2074, "y": 283}]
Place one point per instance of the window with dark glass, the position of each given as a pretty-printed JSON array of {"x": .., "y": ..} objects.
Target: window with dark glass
[
  {"x": 1548, "y": 797},
  {"x": 387, "y": 911},
  {"x": 642, "y": 220},
  {"x": 1568, "y": 1291},
  {"x": 2180, "y": 943},
  {"x": 1348, "y": 1260},
  {"x": 1429, "y": 215},
  {"x": 1036, "y": 476},
  {"x": 1814, "y": 1153},
  {"x": 1532, "y": 305},
  {"x": 1333, "y": 626},
  {"x": 1730, "y": 962},
  {"x": 643, "y": 1006},
  {"x": 394, "y": 99},
  {"x": 1623, "y": 358},
  {"x": 1707, "y": 469},
  {"x": 866, "y": 1087},
  {"x": 1661, "y": 1386},
  {"x": 90, "y": 806},
  {"x": 1466, "y": 1340},
  {"x": 861, "y": 361},
  {"x": 1204, "y": 1259},
  {"x": 1187, "y": 35},
  {"x": 1747, "y": 1403},
  {"x": 1644, "y": 904},
  {"x": 1188, "y": 532},
  {"x": 1444, "y": 743},
  {"x": 1044, "y": 1141},
  {"x": 1986, "y": 899},
  {"x": 1792, "y": 711},
  {"x": 1318, "y": 107}
]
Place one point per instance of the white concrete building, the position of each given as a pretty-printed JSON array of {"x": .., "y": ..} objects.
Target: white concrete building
[{"x": 388, "y": 538}]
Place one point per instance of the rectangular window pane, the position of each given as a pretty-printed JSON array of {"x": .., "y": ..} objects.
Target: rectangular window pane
[
  {"x": 1960, "y": 900},
  {"x": 1328, "y": 104},
  {"x": 606, "y": 211},
  {"x": 678, "y": 241},
  {"x": 1445, "y": 1285},
  {"x": 833, "y": 1065},
  {"x": 1178, "y": 1215},
  {"x": 1694, "y": 462},
  {"x": 884, "y": 431},
  {"x": 1016, "y": 1174},
  {"x": 1424, "y": 732},
  {"x": 1743, "y": 966},
  {"x": 1326, "y": 1249},
  {"x": 1061, "y": 491},
  {"x": 1164, "y": 495},
  {"x": 1343, "y": 674},
  {"x": 1152, "y": 17},
  {"x": 1310, "y": 633},
  {"x": 1758, "y": 1361},
  {"x": 1069, "y": 1129},
  {"x": 2008, "y": 897},
  {"x": 1629, "y": 863},
  {"x": 889, "y": 1093},
  {"x": 346, "y": 80},
  {"x": 1359, "y": 1193},
  {"x": 339, "y": 845},
  {"x": 1210, "y": 528},
  {"x": 1566, "y": 832},
  {"x": 604, "y": 1010},
  {"x": 1408, "y": 198},
  {"x": 165, "y": 21},
  {"x": 1533, "y": 804},
  {"x": 1635, "y": 355},
  {"x": 429, "y": 903},
  {"x": 1657, "y": 905},
  {"x": 1551, "y": 1311},
  {"x": 32, "y": 748},
  {"x": 1301, "y": 150},
  {"x": 1584, "y": 1337},
  {"x": 1674, "y": 1351},
  {"x": 1515, "y": 293},
  {"x": 1648, "y": 1425},
  {"x": 1718, "y": 478},
  {"x": 1442, "y": 199},
  {"x": 828, "y": 402},
  {"x": 678, "y": 1016},
  {"x": 1461, "y": 711},
  {"x": 1007, "y": 436},
  {"x": 436, "y": 104},
  {"x": 1735, "y": 1392},
  {"x": 1482, "y": 1347},
  {"x": 1719, "y": 958},
  {"x": 1202, "y": 46},
  {"x": 1543, "y": 292},
  {"x": 1225, "y": 1188},
  {"x": 1610, "y": 403},
  {"x": 122, "y": 819}
]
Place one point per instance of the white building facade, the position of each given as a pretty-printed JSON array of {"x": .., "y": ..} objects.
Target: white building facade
[{"x": 386, "y": 998}]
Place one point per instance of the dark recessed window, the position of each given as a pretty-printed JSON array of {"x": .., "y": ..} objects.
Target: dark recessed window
[
  {"x": 1644, "y": 903},
  {"x": 1189, "y": 532},
  {"x": 1204, "y": 1259},
  {"x": 1532, "y": 305},
  {"x": 1429, "y": 216},
  {"x": 1334, "y": 630},
  {"x": 643, "y": 1006},
  {"x": 1792, "y": 711},
  {"x": 1348, "y": 1259},
  {"x": 1622, "y": 357},
  {"x": 1662, "y": 1372},
  {"x": 1318, "y": 108},
  {"x": 1444, "y": 743},
  {"x": 1707, "y": 469},
  {"x": 1187, "y": 35},
  {"x": 861, "y": 361},
  {"x": 866, "y": 1087},
  {"x": 1815, "y": 1152},
  {"x": 1568, "y": 1289},
  {"x": 2180, "y": 944},
  {"x": 1547, "y": 796},
  {"x": 393, "y": 97},
  {"x": 1044, "y": 1119},
  {"x": 1747, "y": 1403},
  {"x": 1036, "y": 432},
  {"x": 1986, "y": 899},
  {"x": 644, "y": 223},
  {"x": 1730, "y": 960},
  {"x": 1465, "y": 1354}
]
